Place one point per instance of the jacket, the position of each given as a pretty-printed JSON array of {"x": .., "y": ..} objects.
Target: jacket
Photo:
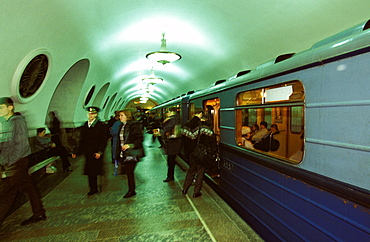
[
  {"x": 172, "y": 146},
  {"x": 14, "y": 143},
  {"x": 133, "y": 136}
]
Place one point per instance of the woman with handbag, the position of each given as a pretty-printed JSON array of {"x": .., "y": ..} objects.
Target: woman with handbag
[{"x": 129, "y": 149}]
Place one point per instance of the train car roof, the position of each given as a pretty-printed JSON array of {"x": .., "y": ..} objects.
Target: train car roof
[{"x": 320, "y": 53}]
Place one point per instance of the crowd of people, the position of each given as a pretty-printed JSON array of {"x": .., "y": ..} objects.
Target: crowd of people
[{"x": 126, "y": 133}]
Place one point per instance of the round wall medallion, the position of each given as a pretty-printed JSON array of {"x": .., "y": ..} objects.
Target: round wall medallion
[{"x": 33, "y": 76}]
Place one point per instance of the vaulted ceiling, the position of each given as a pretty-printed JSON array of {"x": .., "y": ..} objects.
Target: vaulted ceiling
[{"x": 216, "y": 39}]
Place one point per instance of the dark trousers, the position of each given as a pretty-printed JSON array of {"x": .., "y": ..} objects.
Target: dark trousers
[
  {"x": 19, "y": 181},
  {"x": 62, "y": 152},
  {"x": 93, "y": 183},
  {"x": 197, "y": 170},
  {"x": 171, "y": 162},
  {"x": 56, "y": 140},
  {"x": 129, "y": 169}
]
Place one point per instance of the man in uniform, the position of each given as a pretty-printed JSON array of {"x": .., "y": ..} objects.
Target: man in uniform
[
  {"x": 14, "y": 151},
  {"x": 93, "y": 140}
]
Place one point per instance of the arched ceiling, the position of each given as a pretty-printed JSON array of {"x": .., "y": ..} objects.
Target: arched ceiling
[{"x": 217, "y": 38}]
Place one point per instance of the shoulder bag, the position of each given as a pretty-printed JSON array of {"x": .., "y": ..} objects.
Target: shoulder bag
[{"x": 202, "y": 154}]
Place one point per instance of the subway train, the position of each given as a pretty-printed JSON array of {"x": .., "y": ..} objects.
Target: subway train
[{"x": 316, "y": 185}]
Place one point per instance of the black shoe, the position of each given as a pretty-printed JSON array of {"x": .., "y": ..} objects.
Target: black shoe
[
  {"x": 33, "y": 220},
  {"x": 92, "y": 193},
  {"x": 68, "y": 170},
  {"x": 129, "y": 194},
  {"x": 184, "y": 192},
  {"x": 168, "y": 180},
  {"x": 197, "y": 194}
]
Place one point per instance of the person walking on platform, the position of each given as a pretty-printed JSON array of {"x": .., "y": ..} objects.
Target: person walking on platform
[
  {"x": 128, "y": 147},
  {"x": 114, "y": 135},
  {"x": 172, "y": 142},
  {"x": 154, "y": 125},
  {"x": 14, "y": 151},
  {"x": 93, "y": 140},
  {"x": 193, "y": 131},
  {"x": 54, "y": 127}
]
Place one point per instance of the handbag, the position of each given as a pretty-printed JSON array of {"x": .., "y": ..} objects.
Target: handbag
[
  {"x": 132, "y": 156},
  {"x": 203, "y": 155}
]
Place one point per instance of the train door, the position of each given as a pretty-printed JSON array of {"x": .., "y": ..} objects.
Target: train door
[{"x": 212, "y": 109}]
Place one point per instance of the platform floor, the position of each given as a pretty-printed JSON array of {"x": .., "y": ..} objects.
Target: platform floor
[{"x": 159, "y": 212}]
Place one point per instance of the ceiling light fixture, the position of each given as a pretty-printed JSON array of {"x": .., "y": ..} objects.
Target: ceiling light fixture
[
  {"x": 152, "y": 79},
  {"x": 147, "y": 89},
  {"x": 163, "y": 56}
]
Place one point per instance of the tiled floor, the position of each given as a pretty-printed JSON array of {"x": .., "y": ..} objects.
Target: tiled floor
[{"x": 159, "y": 212}]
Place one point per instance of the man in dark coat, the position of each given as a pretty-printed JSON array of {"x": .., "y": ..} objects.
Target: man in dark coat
[
  {"x": 172, "y": 145},
  {"x": 93, "y": 140}
]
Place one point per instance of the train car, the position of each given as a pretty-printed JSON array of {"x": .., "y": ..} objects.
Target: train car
[{"x": 315, "y": 185}]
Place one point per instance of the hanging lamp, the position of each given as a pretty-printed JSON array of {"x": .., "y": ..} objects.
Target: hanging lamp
[
  {"x": 152, "y": 79},
  {"x": 163, "y": 56}
]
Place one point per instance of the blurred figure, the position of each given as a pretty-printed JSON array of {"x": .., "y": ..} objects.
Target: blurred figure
[
  {"x": 43, "y": 142},
  {"x": 255, "y": 129},
  {"x": 154, "y": 125},
  {"x": 113, "y": 125},
  {"x": 262, "y": 133},
  {"x": 274, "y": 129},
  {"x": 14, "y": 153},
  {"x": 172, "y": 145},
  {"x": 246, "y": 136},
  {"x": 54, "y": 127}
]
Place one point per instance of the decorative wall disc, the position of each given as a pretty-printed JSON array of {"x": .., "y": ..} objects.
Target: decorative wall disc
[{"x": 33, "y": 76}]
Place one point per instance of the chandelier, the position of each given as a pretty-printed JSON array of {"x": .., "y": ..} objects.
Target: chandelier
[
  {"x": 152, "y": 79},
  {"x": 163, "y": 56},
  {"x": 147, "y": 89}
]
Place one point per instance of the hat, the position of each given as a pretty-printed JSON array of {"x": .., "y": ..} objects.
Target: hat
[
  {"x": 93, "y": 109},
  {"x": 6, "y": 100},
  {"x": 246, "y": 130}
]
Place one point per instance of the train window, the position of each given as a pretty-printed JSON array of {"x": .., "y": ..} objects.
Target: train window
[
  {"x": 250, "y": 97},
  {"x": 280, "y": 108}
]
